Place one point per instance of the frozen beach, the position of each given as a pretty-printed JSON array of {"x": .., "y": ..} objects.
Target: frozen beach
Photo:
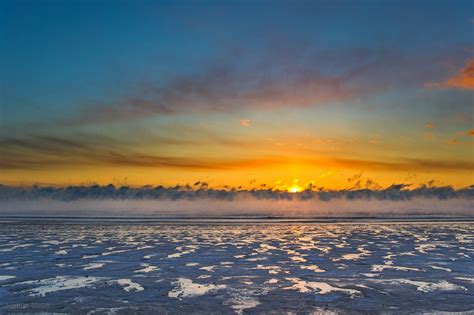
[{"x": 113, "y": 267}]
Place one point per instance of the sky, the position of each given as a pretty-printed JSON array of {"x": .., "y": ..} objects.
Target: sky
[{"x": 249, "y": 94}]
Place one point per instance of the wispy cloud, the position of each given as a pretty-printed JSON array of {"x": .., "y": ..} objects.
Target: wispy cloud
[
  {"x": 245, "y": 122},
  {"x": 429, "y": 125},
  {"x": 228, "y": 91},
  {"x": 279, "y": 78},
  {"x": 463, "y": 80},
  {"x": 407, "y": 164},
  {"x": 40, "y": 152},
  {"x": 48, "y": 152}
]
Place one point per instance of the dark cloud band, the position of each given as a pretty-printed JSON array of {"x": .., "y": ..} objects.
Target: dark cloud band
[{"x": 71, "y": 193}]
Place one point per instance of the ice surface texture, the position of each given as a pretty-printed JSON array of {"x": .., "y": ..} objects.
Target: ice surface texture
[{"x": 114, "y": 267}]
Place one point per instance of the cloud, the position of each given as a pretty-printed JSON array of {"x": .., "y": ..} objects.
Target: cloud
[
  {"x": 468, "y": 133},
  {"x": 463, "y": 80},
  {"x": 227, "y": 90},
  {"x": 245, "y": 122},
  {"x": 49, "y": 152},
  {"x": 452, "y": 141},
  {"x": 275, "y": 78},
  {"x": 403, "y": 164}
]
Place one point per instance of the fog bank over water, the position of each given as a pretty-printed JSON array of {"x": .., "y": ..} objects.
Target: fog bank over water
[
  {"x": 239, "y": 206},
  {"x": 185, "y": 201}
]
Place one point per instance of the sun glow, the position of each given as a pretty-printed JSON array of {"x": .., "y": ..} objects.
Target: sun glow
[{"x": 295, "y": 189}]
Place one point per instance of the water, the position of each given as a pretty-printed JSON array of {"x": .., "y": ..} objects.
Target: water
[{"x": 111, "y": 267}]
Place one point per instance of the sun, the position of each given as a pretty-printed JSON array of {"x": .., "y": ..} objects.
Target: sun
[{"x": 295, "y": 189}]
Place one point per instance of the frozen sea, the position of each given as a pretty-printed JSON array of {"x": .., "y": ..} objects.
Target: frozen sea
[{"x": 99, "y": 266}]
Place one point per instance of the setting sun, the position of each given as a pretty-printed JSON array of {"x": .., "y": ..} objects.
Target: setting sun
[{"x": 295, "y": 189}]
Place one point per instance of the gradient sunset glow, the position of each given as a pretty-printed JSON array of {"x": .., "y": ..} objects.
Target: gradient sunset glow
[{"x": 333, "y": 94}]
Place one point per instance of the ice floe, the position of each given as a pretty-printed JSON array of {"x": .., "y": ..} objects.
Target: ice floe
[
  {"x": 380, "y": 268},
  {"x": 317, "y": 287},
  {"x": 128, "y": 285},
  {"x": 59, "y": 283},
  {"x": 208, "y": 268},
  {"x": 147, "y": 268},
  {"x": 424, "y": 286},
  {"x": 271, "y": 281},
  {"x": 241, "y": 303},
  {"x": 93, "y": 266},
  {"x": 312, "y": 268},
  {"x": 4, "y": 278},
  {"x": 187, "y": 288},
  {"x": 441, "y": 268},
  {"x": 465, "y": 279}
]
